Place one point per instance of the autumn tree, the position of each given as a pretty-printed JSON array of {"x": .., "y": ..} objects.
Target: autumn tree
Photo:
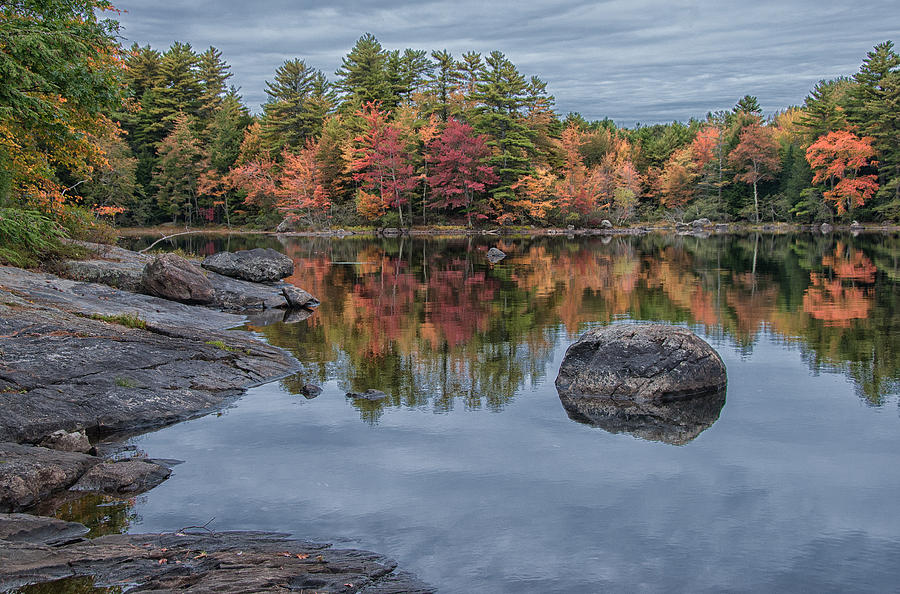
[
  {"x": 61, "y": 69},
  {"x": 301, "y": 193},
  {"x": 836, "y": 160},
  {"x": 380, "y": 161},
  {"x": 459, "y": 170},
  {"x": 755, "y": 158},
  {"x": 677, "y": 181},
  {"x": 579, "y": 188}
]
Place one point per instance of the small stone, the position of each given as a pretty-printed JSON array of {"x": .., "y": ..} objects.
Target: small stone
[
  {"x": 64, "y": 441},
  {"x": 494, "y": 255},
  {"x": 298, "y": 298},
  {"x": 310, "y": 390},
  {"x": 606, "y": 224}
]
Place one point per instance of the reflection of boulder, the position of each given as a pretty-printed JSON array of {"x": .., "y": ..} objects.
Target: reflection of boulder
[
  {"x": 656, "y": 381},
  {"x": 676, "y": 422}
]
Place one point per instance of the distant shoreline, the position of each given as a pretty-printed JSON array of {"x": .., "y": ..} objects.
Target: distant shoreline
[{"x": 640, "y": 229}]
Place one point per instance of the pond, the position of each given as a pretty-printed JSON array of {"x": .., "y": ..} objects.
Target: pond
[{"x": 472, "y": 474}]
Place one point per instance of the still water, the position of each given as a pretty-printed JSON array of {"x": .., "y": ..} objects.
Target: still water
[{"x": 473, "y": 476}]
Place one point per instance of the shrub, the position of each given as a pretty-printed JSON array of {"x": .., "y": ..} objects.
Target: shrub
[{"x": 27, "y": 237}]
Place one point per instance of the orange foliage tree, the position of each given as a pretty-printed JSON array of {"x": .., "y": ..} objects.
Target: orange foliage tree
[
  {"x": 755, "y": 158},
  {"x": 836, "y": 159},
  {"x": 62, "y": 71},
  {"x": 300, "y": 189}
]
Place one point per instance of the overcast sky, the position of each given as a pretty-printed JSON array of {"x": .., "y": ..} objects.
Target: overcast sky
[{"x": 642, "y": 61}]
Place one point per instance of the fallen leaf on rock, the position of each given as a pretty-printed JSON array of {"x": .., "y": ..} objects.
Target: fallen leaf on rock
[
  {"x": 162, "y": 561},
  {"x": 302, "y": 556}
]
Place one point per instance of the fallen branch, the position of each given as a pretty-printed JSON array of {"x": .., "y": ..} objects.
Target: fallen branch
[{"x": 165, "y": 237}]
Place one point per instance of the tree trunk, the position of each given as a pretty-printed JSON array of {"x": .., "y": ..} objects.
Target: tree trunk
[{"x": 755, "y": 203}]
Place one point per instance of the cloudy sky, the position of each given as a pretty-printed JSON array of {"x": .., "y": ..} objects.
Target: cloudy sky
[{"x": 631, "y": 60}]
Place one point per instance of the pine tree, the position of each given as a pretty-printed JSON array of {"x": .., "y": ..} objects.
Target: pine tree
[
  {"x": 443, "y": 82},
  {"x": 500, "y": 97},
  {"x": 875, "y": 109},
  {"x": 823, "y": 110},
  {"x": 362, "y": 77},
  {"x": 177, "y": 93},
  {"x": 212, "y": 74},
  {"x": 178, "y": 171},
  {"x": 300, "y": 98}
]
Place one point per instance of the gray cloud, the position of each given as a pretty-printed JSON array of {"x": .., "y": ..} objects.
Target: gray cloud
[{"x": 638, "y": 60}]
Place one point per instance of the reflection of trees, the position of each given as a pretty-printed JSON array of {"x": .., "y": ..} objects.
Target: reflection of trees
[
  {"x": 432, "y": 322},
  {"x": 102, "y": 514}
]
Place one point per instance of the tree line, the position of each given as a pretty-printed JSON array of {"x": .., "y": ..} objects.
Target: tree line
[{"x": 411, "y": 137}]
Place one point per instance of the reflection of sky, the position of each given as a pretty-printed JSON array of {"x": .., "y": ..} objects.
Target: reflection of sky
[{"x": 794, "y": 487}]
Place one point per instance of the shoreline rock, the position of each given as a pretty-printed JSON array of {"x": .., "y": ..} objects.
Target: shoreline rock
[
  {"x": 124, "y": 363},
  {"x": 259, "y": 265},
  {"x": 37, "y": 550}
]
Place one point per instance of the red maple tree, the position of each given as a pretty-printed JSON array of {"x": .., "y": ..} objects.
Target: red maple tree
[
  {"x": 458, "y": 170},
  {"x": 380, "y": 161}
]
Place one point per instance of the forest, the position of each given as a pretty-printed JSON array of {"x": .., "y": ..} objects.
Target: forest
[{"x": 142, "y": 136}]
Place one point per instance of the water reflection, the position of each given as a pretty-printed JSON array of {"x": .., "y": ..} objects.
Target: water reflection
[
  {"x": 676, "y": 423},
  {"x": 431, "y": 322}
]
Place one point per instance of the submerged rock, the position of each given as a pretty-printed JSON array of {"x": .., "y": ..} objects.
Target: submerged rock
[
  {"x": 310, "y": 390},
  {"x": 641, "y": 363},
  {"x": 494, "y": 255},
  {"x": 172, "y": 277},
  {"x": 256, "y": 265},
  {"x": 369, "y": 394},
  {"x": 37, "y": 530}
]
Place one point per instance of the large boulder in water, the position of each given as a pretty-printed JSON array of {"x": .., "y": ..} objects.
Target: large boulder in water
[
  {"x": 654, "y": 381},
  {"x": 258, "y": 265},
  {"x": 172, "y": 277},
  {"x": 640, "y": 363}
]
